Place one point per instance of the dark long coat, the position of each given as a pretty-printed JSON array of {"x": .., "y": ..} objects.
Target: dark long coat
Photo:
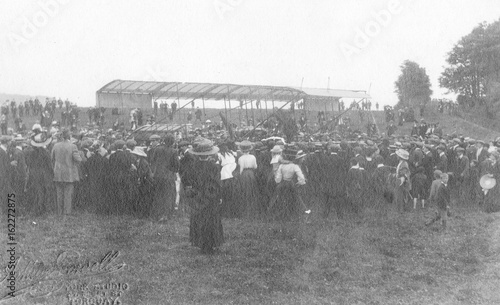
[
  {"x": 40, "y": 186},
  {"x": 442, "y": 164},
  {"x": 96, "y": 167},
  {"x": 121, "y": 182},
  {"x": 164, "y": 164},
  {"x": 201, "y": 181}
]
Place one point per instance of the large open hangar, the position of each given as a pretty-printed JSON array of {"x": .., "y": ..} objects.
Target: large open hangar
[{"x": 127, "y": 94}]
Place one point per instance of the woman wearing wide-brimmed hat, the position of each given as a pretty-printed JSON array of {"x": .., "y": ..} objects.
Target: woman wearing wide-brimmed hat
[
  {"x": 202, "y": 186},
  {"x": 489, "y": 183},
  {"x": 40, "y": 188},
  {"x": 286, "y": 204},
  {"x": 249, "y": 193}
]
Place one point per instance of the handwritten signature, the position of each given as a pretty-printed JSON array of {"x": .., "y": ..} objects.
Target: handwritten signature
[{"x": 40, "y": 279}]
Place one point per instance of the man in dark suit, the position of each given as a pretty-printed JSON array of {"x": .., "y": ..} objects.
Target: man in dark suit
[
  {"x": 392, "y": 158},
  {"x": 391, "y": 129},
  {"x": 471, "y": 150},
  {"x": 154, "y": 141},
  {"x": 451, "y": 154},
  {"x": 165, "y": 166},
  {"x": 428, "y": 164},
  {"x": 384, "y": 148},
  {"x": 423, "y": 128},
  {"x": 379, "y": 180},
  {"x": 65, "y": 157},
  {"x": 121, "y": 165},
  {"x": 332, "y": 174},
  {"x": 355, "y": 181},
  {"x": 442, "y": 163},
  {"x": 462, "y": 173}
]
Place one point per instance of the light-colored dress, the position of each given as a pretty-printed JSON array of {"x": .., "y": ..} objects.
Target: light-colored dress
[
  {"x": 228, "y": 163},
  {"x": 247, "y": 161},
  {"x": 275, "y": 162},
  {"x": 248, "y": 186},
  {"x": 288, "y": 205}
]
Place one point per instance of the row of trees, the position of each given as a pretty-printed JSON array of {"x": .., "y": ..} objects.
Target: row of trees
[
  {"x": 473, "y": 72},
  {"x": 474, "y": 68}
]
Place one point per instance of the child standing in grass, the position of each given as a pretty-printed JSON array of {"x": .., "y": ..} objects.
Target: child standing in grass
[
  {"x": 434, "y": 186},
  {"x": 442, "y": 201},
  {"x": 418, "y": 187}
]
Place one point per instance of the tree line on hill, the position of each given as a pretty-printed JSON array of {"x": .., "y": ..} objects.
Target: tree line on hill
[{"x": 473, "y": 72}]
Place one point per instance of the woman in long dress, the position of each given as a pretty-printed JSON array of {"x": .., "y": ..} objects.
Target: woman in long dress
[
  {"x": 248, "y": 183},
  {"x": 202, "y": 185},
  {"x": 275, "y": 162},
  {"x": 289, "y": 176},
  {"x": 40, "y": 187}
]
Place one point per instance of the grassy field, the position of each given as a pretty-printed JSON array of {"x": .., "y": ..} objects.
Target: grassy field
[{"x": 380, "y": 257}]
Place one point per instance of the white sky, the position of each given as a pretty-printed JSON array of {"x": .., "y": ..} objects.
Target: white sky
[{"x": 82, "y": 45}]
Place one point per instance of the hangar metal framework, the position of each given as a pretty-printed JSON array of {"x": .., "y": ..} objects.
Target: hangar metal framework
[{"x": 131, "y": 94}]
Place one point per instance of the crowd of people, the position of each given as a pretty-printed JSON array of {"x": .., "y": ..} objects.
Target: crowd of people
[
  {"x": 214, "y": 175},
  {"x": 450, "y": 106},
  {"x": 11, "y": 110}
]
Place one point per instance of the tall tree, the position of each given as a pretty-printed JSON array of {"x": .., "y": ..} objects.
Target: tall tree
[
  {"x": 413, "y": 85},
  {"x": 474, "y": 65}
]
